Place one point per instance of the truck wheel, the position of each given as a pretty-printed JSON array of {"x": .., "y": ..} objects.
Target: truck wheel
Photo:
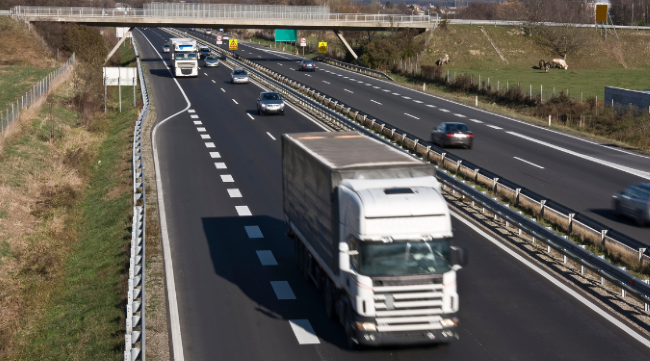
[{"x": 330, "y": 300}]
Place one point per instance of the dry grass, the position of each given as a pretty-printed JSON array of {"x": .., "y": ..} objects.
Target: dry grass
[{"x": 22, "y": 48}]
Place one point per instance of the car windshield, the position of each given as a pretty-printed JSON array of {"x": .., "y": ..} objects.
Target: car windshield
[
  {"x": 205, "y": 49},
  {"x": 457, "y": 128},
  {"x": 211, "y": 58},
  {"x": 239, "y": 72},
  {"x": 403, "y": 258},
  {"x": 270, "y": 96},
  {"x": 185, "y": 56},
  {"x": 166, "y": 45}
]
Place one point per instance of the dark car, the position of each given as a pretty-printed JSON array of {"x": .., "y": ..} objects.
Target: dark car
[
  {"x": 307, "y": 65},
  {"x": 270, "y": 102},
  {"x": 634, "y": 202},
  {"x": 203, "y": 51},
  {"x": 452, "y": 134}
]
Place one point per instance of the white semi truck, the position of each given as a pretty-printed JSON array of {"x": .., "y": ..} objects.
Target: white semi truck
[
  {"x": 184, "y": 53},
  {"x": 373, "y": 232}
]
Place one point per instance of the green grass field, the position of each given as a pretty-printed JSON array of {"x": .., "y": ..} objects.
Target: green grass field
[{"x": 16, "y": 80}]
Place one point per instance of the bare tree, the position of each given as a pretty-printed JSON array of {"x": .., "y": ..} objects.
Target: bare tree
[{"x": 563, "y": 37}]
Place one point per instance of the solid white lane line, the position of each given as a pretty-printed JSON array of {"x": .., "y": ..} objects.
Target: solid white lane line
[
  {"x": 460, "y": 115},
  {"x": 205, "y": 136},
  {"x": 250, "y": 116},
  {"x": 191, "y": 111},
  {"x": 531, "y": 163},
  {"x": 223, "y": 90},
  {"x": 234, "y": 101},
  {"x": 272, "y": 137},
  {"x": 253, "y": 232},
  {"x": 243, "y": 211},
  {"x": 326, "y": 82},
  {"x": 266, "y": 258},
  {"x": 220, "y": 165},
  {"x": 194, "y": 116},
  {"x": 234, "y": 193},
  {"x": 443, "y": 110},
  {"x": 304, "y": 332},
  {"x": 283, "y": 290},
  {"x": 210, "y": 145},
  {"x": 215, "y": 155},
  {"x": 349, "y": 91},
  {"x": 227, "y": 178},
  {"x": 374, "y": 101},
  {"x": 555, "y": 281},
  {"x": 201, "y": 129},
  {"x": 418, "y": 101},
  {"x": 636, "y": 172},
  {"x": 412, "y": 116},
  {"x": 476, "y": 121},
  {"x": 493, "y": 126},
  {"x": 198, "y": 122}
]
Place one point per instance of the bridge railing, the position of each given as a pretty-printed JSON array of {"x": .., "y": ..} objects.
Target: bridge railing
[{"x": 45, "y": 12}]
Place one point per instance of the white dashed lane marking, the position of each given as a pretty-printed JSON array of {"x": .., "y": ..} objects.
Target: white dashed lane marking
[
  {"x": 444, "y": 110},
  {"x": 326, "y": 82},
  {"x": 476, "y": 121},
  {"x": 220, "y": 165},
  {"x": 272, "y": 137},
  {"x": 205, "y": 136},
  {"x": 227, "y": 178},
  {"x": 304, "y": 332},
  {"x": 374, "y": 101},
  {"x": 210, "y": 145},
  {"x": 494, "y": 127},
  {"x": 214, "y": 81},
  {"x": 266, "y": 258},
  {"x": 459, "y": 115},
  {"x": 406, "y": 97},
  {"x": 418, "y": 101},
  {"x": 253, "y": 232},
  {"x": 431, "y": 106},
  {"x": 386, "y": 90},
  {"x": 250, "y": 116},
  {"x": 531, "y": 163},
  {"x": 201, "y": 129},
  {"x": 223, "y": 90},
  {"x": 194, "y": 116},
  {"x": 412, "y": 116},
  {"x": 206, "y": 74},
  {"x": 349, "y": 91},
  {"x": 215, "y": 155},
  {"x": 234, "y": 101},
  {"x": 396, "y": 94},
  {"x": 198, "y": 122},
  {"x": 283, "y": 290},
  {"x": 191, "y": 111},
  {"x": 243, "y": 211},
  {"x": 234, "y": 193}
]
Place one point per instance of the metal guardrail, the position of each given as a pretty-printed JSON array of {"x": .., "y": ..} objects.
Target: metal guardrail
[
  {"x": 135, "y": 306},
  {"x": 357, "y": 68},
  {"x": 121, "y": 14},
  {"x": 333, "y": 109},
  {"x": 38, "y": 91}
]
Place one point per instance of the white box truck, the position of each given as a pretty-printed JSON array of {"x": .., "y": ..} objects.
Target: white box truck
[
  {"x": 373, "y": 232},
  {"x": 184, "y": 57}
]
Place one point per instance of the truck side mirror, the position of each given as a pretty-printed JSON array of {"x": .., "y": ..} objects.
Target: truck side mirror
[{"x": 459, "y": 256}]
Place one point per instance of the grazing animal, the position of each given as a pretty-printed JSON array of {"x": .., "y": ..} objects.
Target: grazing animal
[
  {"x": 542, "y": 64},
  {"x": 443, "y": 60},
  {"x": 547, "y": 65},
  {"x": 560, "y": 63}
]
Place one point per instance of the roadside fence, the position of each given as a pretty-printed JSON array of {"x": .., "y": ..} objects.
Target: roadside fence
[{"x": 27, "y": 100}]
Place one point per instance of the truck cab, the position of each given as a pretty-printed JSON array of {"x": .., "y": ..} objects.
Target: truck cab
[{"x": 184, "y": 57}]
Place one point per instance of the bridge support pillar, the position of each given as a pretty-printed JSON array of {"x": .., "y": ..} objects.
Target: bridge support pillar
[
  {"x": 338, "y": 33},
  {"x": 117, "y": 46}
]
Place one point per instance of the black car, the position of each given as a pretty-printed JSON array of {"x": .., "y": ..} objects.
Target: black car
[
  {"x": 452, "y": 134},
  {"x": 307, "y": 65},
  {"x": 634, "y": 202}
]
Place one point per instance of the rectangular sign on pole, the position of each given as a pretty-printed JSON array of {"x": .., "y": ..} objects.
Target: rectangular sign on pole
[
  {"x": 601, "y": 12},
  {"x": 120, "y": 76},
  {"x": 322, "y": 47},
  {"x": 303, "y": 42},
  {"x": 119, "y": 32},
  {"x": 232, "y": 44},
  {"x": 286, "y": 35},
  {"x": 219, "y": 40}
]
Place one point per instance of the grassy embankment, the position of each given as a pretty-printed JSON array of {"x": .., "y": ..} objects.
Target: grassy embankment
[{"x": 65, "y": 230}]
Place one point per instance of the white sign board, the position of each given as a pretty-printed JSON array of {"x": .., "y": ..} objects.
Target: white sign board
[
  {"x": 303, "y": 42},
  {"x": 119, "y": 32},
  {"x": 120, "y": 76},
  {"x": 219, "y": 42}
]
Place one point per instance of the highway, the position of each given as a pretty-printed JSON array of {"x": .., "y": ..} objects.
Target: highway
[
  {"x": 578, "y": 174},
  {"x": 220, "y": 169}
]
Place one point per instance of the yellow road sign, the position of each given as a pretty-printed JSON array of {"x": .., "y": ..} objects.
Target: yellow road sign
[
  {"x": 322, "y": 47},
  {"x": 232, "y": 44},
  {"x": 601, "y": 12}
]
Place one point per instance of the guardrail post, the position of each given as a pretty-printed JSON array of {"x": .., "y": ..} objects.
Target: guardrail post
[
  {"x": 603, "y": 233},
  {"x": 582, "y": 267},
  {"x": 641, "y": 251},
  {"x": 646, "y": 304},
  {"x": 517, "y": 192},
  {"x": 602, "y": 279},
  {"x": 460, "y": 161},
  {"x": 542, "y": 203},
  {"x": 570, "y": 227},
  {"x": 494, "y": 187}
]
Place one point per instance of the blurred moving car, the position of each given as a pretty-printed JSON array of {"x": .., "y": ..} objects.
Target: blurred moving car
[
  {"x": 208, "y": 31},
  {"x": 634, "y": 202},
  {"x": 307, "y": 65},
  {"x": 270, "y": 102},
  {"x": 238, "y": 75},
  {"x": 166, "y": 48},
  {"x": 203, "y": 51},
  {"x": 211, "y": 61},
  {"x": 452, "y": 134}
]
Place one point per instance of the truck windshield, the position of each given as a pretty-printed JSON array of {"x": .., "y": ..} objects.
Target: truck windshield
[
  {"x": 185, "y": 56},
  {"x": 404, "y": 258}
]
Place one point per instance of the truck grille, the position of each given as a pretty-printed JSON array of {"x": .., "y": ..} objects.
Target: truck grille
[
  {"x": 408, "y": 308},
  {"x": 186, "y": 71}
]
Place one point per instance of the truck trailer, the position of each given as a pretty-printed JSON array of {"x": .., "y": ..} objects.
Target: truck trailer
[
  {"x": 372, "y": 230},
  {"x": 184, "y": 57}
]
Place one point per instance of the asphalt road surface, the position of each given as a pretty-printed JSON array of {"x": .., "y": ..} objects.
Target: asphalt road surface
[{"x": 220, "y": 167}]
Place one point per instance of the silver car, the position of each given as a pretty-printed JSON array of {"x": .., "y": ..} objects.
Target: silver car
[
  {"x": 211, "y": 61},
  {"x": 166, "y": 48},
  {"x": 270, "y": 102},
  {"x": 238, "y": 75},
  {"x": 634, "y": 202}
]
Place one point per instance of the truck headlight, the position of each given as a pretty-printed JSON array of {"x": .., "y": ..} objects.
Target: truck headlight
[
  {"x": 366, "y": 326},
  {"x": 263, "y": 105},
  {"x": 449, "y": 322}
]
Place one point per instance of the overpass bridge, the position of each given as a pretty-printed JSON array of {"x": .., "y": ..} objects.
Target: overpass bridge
[{"x": 224, "y": 16}]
